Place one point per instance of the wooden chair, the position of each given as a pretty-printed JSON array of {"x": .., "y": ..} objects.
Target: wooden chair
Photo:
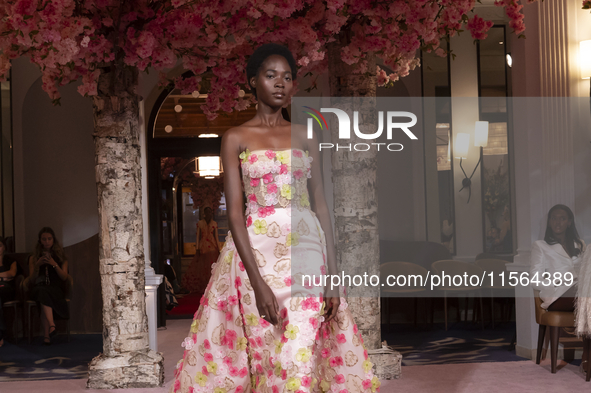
[
  {"x": 453, "y": 268},
  {"x": 555, "y": 320},
  {"x": 16, "y": 305},
  {"x": 22, "y": 271},
  {"x": 405, "y": 269},
  {"x": 497, "y": 267}
]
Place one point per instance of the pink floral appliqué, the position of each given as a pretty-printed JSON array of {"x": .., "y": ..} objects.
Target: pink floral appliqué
[{"x": 268, "y": 178}]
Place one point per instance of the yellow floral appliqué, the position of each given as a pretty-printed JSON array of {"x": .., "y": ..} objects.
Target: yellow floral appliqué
[
  {"x": 260, "y": 227},
  {"x": 304, "y": 200},
  {"x": 200, "y": 379},
  {"x": 252, "y": 319},
  {"x": 286, "y": 191},
  {"x": 283, "y": 156},
  {"x": 375, "y": 383},
  {"x": 366, "y": 366},
  {"x": 212, "y": 367},
  {"x": 241, "y": 343},
  {"x": 195, "y": 326},
  {"x": 292, "y": 239},
  {"x": 278, "y": 347},
  {"x": 291, "y": 331},
  {"x": 244, "y": 155},
  {"x": 277, "y": 370},
  {"x": 293, "y": 383},
  {"x": 303, "y": 355}
]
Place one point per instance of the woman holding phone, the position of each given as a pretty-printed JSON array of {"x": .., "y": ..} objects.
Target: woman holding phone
[{"x": 48, "y": 269}]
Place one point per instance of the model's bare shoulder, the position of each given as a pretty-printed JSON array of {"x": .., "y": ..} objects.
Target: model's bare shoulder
[
  {"x": 299, "y": 136},
  {"x": 233, "y": 138}
]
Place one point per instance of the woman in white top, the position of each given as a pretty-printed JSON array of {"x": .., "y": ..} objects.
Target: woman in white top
[{"x": 558, "y": 254}]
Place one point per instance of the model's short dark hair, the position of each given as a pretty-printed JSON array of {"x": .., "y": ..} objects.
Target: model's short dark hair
[{"x": 260, "y": 55}]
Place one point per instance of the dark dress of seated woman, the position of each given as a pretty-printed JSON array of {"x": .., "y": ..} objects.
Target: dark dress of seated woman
[
  {"x": 8, "y": 267},
  {"x": 48, "y": 267}
]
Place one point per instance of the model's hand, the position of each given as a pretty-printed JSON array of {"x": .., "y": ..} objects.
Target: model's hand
[
  {"x": 332, "y": 308},
  {"x": 266, "y": 302}
]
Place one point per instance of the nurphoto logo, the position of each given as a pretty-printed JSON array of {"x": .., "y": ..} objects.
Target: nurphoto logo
[{"x": 345, "y": 128}]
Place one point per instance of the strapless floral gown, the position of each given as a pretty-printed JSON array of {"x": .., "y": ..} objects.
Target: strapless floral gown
[{"x": 230, "y": 348}]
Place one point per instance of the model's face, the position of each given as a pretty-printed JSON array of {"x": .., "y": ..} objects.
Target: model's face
[
  {"x": 47, "y": 241},
  {"x": 274, "y": 81},
  {"x": 559, "y": 222},
  {"x": 208, "y": 214}
]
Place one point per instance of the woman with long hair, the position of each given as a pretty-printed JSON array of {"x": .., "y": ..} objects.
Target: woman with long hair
[
  {"x": 557, "y": 260},
  {"x": 558, "y": 254},
  {"x": 48, "y": 269},
  {"x": 8, "y": 267},
  {"x": 258, "y": 329}
]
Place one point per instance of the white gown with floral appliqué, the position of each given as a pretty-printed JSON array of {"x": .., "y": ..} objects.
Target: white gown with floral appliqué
[{"x": 230, "y": 348}]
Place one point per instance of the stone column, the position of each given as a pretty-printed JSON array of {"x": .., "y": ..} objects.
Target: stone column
[
  {"x": 354, "y": 175},
  {"x": 127, "y": 360}
]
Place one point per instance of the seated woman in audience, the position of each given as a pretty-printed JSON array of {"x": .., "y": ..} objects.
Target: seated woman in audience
[
  {"x": 559, "y": 254},
  {"x": 48, "y": 269},
  {"x": 7, "y": 289}
]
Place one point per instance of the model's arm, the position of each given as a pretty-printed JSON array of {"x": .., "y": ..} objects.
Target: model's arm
[
  {"x": 537, "y": 266},
  {"x": 265, "y": 298},
  {"x": 9, "y": 273},
  {"x": 319, "y": 206}
]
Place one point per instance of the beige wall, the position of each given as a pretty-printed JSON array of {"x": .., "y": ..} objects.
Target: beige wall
[{"x": 54, "y": 161}]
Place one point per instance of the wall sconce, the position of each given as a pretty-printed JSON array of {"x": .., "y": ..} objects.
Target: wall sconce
[
  {"x": 585, "y": 59},
  {"x": 461, "y": 151},
  {"x": 208, "y": 166}
]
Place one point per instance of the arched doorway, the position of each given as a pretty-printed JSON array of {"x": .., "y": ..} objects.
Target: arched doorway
[{"x": 178, "y": 132}]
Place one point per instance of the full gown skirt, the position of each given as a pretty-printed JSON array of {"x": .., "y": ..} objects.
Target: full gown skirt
[{"x": 230, "y": 348}]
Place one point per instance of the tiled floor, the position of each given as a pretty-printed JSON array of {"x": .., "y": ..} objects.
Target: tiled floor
[{"x": 507, "y": 377}]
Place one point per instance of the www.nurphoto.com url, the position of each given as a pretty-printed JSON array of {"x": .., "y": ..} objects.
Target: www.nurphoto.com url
[{"x": 432, "y": 280}]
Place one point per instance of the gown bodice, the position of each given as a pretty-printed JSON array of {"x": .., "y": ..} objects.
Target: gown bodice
[{"x": 275, "y": 179}]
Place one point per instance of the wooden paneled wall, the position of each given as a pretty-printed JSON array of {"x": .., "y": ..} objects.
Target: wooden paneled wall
[{"x": 86, "y": 302}]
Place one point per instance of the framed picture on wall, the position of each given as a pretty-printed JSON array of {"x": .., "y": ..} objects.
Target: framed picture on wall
[{"x": 496, "y": 204}]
